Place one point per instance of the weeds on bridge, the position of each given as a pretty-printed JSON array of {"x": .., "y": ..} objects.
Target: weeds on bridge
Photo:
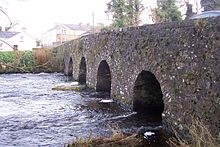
[{"x": 200, "y": 136}]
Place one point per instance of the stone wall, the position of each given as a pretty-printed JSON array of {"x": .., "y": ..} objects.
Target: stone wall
[{"x": 182, "y": 56}]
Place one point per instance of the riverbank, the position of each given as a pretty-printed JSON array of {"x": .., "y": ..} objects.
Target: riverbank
[
  {"x": 116, "y": 141},
  {"x": 35, "y": 61},
  {"x": 199, "y": 134},
  {"x": 156, "y": 138}
]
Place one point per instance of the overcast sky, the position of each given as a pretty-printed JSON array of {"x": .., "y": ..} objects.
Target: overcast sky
[{"x": 39, "y": 15}]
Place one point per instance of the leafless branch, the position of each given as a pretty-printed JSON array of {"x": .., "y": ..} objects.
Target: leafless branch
[
  {"x": 6, "y": 16},
  {"x": 6, "y": 43}
]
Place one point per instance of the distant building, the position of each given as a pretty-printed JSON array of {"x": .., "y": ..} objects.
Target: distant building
[
  {"x": 16, "y": 41},
  {"x": 64, "y": 32}
]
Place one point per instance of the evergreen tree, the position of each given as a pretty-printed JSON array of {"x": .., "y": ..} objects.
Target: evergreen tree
[
  {"x": 166, "y": 11},
  {"x": 125, "y": 12},
  {"x": 134, "y": 12},
  {"x": 118, "y": 9}
]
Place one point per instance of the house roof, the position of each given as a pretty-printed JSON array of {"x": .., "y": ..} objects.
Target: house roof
[
  {"x": 6, "y": 34},
  {"x": 78, "y": 27}
]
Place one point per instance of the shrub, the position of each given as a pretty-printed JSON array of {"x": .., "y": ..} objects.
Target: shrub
[{"x": 7, "y": 57}]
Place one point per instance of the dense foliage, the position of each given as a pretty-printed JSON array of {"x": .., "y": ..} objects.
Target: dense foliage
[
  {"x": 38, "y": 60},
  {"x": 166, "y": 11},
  {"x": 7, "y": 57},
  {"x": 27, "y": 60},
  {"x": 17, "y": 61},
  {"x": 134, "y": 12},
  {"x": 125, "y": 12}
]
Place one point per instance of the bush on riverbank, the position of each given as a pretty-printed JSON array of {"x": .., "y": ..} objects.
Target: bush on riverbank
[
  {"x": 16, "y": 61},
  {"x": 38, "y": 60}
]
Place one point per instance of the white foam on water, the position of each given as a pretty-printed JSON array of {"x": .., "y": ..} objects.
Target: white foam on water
[
  {"x": 107, "y": 101},
  {"x": 8, "y": 108},
  {"x": 121, "y": 116},
  {"x": 68, "y": 84},
  {"x": 148, "y": 133}
]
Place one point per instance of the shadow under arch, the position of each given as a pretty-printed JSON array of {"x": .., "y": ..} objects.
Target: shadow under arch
[
  {"x": 103, "y": 78},
  {"x": 82, "y": 71},
  {"x": 62, "y": 65},
  {"x": 147, "y": 95},
  {"x": 70, "y": 67}
]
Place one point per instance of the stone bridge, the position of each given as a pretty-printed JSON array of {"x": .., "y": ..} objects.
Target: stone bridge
[{"x": 170, "y": 69}]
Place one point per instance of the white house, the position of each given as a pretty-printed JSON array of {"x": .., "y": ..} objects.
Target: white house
[
  {"x": 16, "y": 41},
  {"x": 63, "y": 32}
]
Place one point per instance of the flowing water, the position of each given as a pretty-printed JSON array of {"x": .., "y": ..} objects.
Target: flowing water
[{"x": 32, "y": 114}]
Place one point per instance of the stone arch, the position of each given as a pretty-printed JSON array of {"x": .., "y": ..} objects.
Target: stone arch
[
  {"x": 70, "y": 67},
  {"x": 147, "y": 95},
  {"x": 82, "y": 71},
  {"x": 103, "y": 78}
]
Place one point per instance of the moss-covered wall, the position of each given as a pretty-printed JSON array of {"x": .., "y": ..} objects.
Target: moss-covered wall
[{"x": 184, "y": 57}]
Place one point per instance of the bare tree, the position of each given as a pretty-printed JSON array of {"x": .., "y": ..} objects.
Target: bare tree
[
  {"x": 189, "y": 10},
  {"x": 11, "y": 25},
  {"x": 189, "y": 5}
]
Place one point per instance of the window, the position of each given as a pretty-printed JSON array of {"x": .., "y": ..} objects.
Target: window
[
  {"x": 1, "y": 46},
  {"x": 63, "y": 31},
  {"x": 21, "y": 38},
  {"x": 58, "y": 38},
  {"x": 15, "y": 47}
]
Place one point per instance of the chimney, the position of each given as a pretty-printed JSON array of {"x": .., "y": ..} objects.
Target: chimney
[{"x": 7, "y": 28}]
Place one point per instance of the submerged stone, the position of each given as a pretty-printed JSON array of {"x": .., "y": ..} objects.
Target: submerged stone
[{"x": 70, "y": 88}]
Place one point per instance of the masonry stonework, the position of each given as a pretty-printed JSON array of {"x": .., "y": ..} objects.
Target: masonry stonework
[{"x": 183, "y": 56}]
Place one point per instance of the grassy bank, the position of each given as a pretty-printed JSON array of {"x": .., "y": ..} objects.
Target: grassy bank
[
  {"x": 38, "y": 60},
  {"x": 199, "y": 133},
  {"x": 119, "y": 139}
]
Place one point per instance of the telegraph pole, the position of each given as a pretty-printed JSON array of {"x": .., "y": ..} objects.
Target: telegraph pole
[{"x": 93, "y": 22}]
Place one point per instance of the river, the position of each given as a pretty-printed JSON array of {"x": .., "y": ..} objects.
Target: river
[{"x": 32, "y": 114}]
